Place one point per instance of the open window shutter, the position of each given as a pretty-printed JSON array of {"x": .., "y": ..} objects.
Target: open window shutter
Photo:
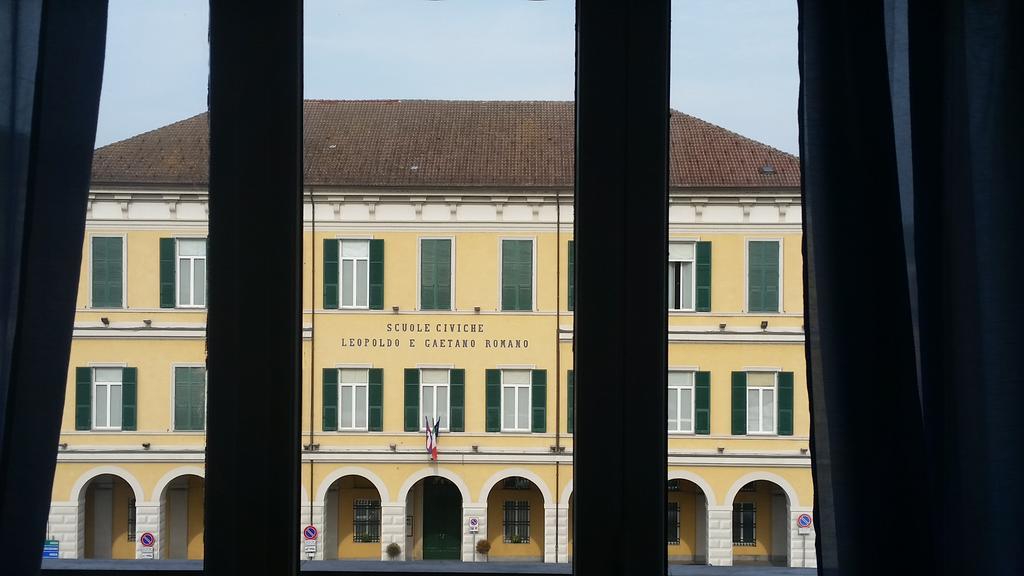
[
  {"x": 330, "y": 400},
  {"x": 457, "y": 381},
  {"x": 330, "y": 274},
  {"x": 376, "y": 274},
  {"x": 785, "y": 403},
  {"x": 83, "y": 398},
  {"x": 570, "y": 401},
  {"x": 539, "y": 400},
  {"x": 771, "y": 276},
  {"x": 412, "y": 399},
  {"x": 739, "y": 403},
  {"x": 376, "y": 400},
  {"x": 493, "y": 400},
  {"x": 167, "y": 297},
  {"x": 703, "y": 295},
  {"x": 129, "y": 398},
  {"x": 702, "y": 403},
  {"x": 572, "y": 275}
]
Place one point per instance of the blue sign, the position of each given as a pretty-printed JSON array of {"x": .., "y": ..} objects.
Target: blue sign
[
  {"x": 310, "y": 532},
  {"x": 147, "y": 539},
  {"x": 51, "y": 549},
  {"x": 803, "y": 521}
]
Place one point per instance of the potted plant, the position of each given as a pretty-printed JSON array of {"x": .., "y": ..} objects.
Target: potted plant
[
  {"x": 483, "y": 547},
  {"x": 393, "y": 550}
]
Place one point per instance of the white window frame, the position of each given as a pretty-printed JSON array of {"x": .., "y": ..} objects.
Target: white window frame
[
  {"x": 693, "y": 403},
  {"x": 341, "y": 275},
  {"x": 529, "y": 401},
  {"x": 533, "y": 272},
  {"x": 174, "y": 391},
  {"x": 192, "y": 274},
  {"x": 693, "y": 276},
  {"x": 760, "y": 402},
  {"x": 419, "y": 272},
  {"x": 124, "y": 271},
  {"x": 746, "y": 276},
  {"x": 95, "y": 385},
  {"x": 366, "y": 404},
  {"x": 448, "y": 385}
]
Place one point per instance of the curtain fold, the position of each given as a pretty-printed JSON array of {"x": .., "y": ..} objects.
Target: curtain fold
[
  {"x": 52, "y": 70},
  {"x": 911, "y": 149}
]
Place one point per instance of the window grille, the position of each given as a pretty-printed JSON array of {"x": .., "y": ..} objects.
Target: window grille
[
  {"x": 672, "y": 528},
  {"x": 517, "y": 522},
  {"x": 516, "y": 483},
  {"x": 366, "y": 520},
  {"x": 744, "y": 524},
  {"x": 131, "y": 520}
]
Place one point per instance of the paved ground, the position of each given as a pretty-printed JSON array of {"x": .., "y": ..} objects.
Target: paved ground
[{"x": 55, "y": 567}]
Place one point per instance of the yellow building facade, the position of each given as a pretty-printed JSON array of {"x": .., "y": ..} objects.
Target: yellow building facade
[{"x": 440, "y": 295}]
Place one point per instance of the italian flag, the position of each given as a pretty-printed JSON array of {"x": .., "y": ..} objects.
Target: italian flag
[{"x": 431, "y": 431}]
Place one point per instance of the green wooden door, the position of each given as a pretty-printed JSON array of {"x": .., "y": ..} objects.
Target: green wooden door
[{"x": 442, "y": 520}]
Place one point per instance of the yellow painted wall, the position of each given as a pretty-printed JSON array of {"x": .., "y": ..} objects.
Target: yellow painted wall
[
  {"x": 352, "y": 488},
  {"x": 121, "y": 547},
  {"x": 495, "y": 524},
  {"x": 196, "y": 492},
  {"x": 686, "y": 498}
]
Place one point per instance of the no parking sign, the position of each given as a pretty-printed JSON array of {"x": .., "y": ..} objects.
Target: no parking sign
[
  {"x": 309, "y": 546},
  {"x": 147, "y": 540},
  {"x": 803, "y": 523}
]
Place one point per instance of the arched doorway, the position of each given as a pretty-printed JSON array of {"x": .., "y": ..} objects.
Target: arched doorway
[
  {"x": 181, "y": 518},
  {"x": 434, "y": 517},
  {"x": 515, "y": 520},
  {"x": 760, "y": 526},
  {"x": 352, "y": 520},
  {"x": 686, "y": 529},
  {"x": 107, "y": 518}
]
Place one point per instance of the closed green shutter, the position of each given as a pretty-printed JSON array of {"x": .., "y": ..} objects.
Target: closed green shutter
[
  {"x": 493, "y": 400},
  {"x": 376, "y": 274},
  {"x": 457, "y": 381},
  {"x": 572, "y": 275},
  {"x": 129, "y": 398},
  {"x": 436, "y": 274},
  {"x": 703, "y": 295},
  {"x": 376, "y": 400},
  {"x": 167, "y": 270},
  {"x": 571, "y": 401},
  {"x": 763, "y": 276},
  {"x": 785, "y": 403},
  {"x": 189, "y": 398},
  {"x": 739, "y": 403},
  {"x": 771, "y": 277},
  {"x": 107, "y": 272},
  {"x": 330, "y": 400},
  {"x": 412, "y": 399},
  {"x": 331, "y": 274},
  {"x": 83, "y": 398},
  {"x": 702, "y": 403},
  {"x": 517, "y": 275},
  {"x": 539, "y": 399}
]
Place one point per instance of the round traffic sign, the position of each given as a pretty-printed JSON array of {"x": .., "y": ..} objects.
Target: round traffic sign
[
  {"x": 309, "y": 532},
  {"x": 147, "y": 539},
  {"x": 474, "y": 522},
  {"x": 804, "y": 521}
]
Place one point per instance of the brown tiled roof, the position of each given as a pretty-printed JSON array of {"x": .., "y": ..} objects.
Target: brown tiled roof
[{"x": 442, "y": 143}]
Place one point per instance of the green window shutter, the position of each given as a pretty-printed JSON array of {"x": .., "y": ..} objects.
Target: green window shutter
[
  {"x": 539, "y": 399},
  {"x": 517, "y": 275},
  {"x": 703, "y": 294},
  {"x": 572, "y": 275},
  {"x": 331, "y": 273},
  {"x": 436, "y": 274},
  {"x": 457, "y": 381},
  {"x": 785, "y": 403},
  {"x": 376, "y": 274},
  {"x": 376, "y": 400},
  {"x": 412, "y": 400},
  {"x": 129, "y": 398},
  {"x": 83, "y": 398},
  {"x": 702, "y": 403},
  {"x": 571, "y": 401},
  {"x": 493, "y": 400},
  {"x": 330, "y": 400},
  {"x": 526, "y": 275},
  {"x": 508, "y": 287},
  {"x": 167, "y": 271},
  {"x": 763, "y": 276},
  {"x": 771, "y": 276},
  {"x": 189, "y": 398},
  {"x": 199, "y": 398},
  {"x": 739, "y": 403},
  {"x": 107, "y": 272}
]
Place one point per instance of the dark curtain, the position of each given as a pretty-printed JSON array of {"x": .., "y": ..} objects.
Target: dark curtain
[
  {"x": 911, "y": 145},
  {"x": 51, "y": 67}
]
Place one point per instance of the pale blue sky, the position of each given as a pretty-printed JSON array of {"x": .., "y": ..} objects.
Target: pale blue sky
[{"x": 734, "y": 62}]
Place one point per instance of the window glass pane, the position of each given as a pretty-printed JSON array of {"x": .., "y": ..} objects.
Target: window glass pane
[
  {"x": 521, "y": 377},
  {"x": 354, "y": 376},
  {"x": 508, "y": 407},
  {"x": 768, "y": 410},
  {"x": 191, "y": 247},
  {"x": 108, "y": 374},
  {"x": 184, "y": 281},
  {"x": 680, "y": 378},
  {"x": 347, "y": 282},
  {"x": 345, "y": 394},
  {"x": 680, "y": 251},
  {"x": 434, "y": 376},
  {"x": 761, "y": 379},
  {"x": 673, "y": 285},
  {"x": 362, "y": 282},
  {"x": 360, "y": 406},
  {"x": 686, "y": 284},
  {"x": 355, "y": 249},
  {"x": 442, "y": 405},
  {"x": 753, "y": 411},
  {"x": 101, "y": 406},
  {"x": 673, "y": 408},
  {"x": 199, "y": 294},
  {"x": 523, "y": 416},
  {"x": 685, "y": 408},
  {"x": 115, "y": 406}
]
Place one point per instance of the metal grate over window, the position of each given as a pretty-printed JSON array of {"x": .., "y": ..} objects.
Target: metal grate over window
[
  {"x": 517, "y": 522},
  {"x": 366, "y": 520},
  {"x": 672, "y": 528},
  {"x": 744, "y": 516},
  {"x": 131, "y": 520}
]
